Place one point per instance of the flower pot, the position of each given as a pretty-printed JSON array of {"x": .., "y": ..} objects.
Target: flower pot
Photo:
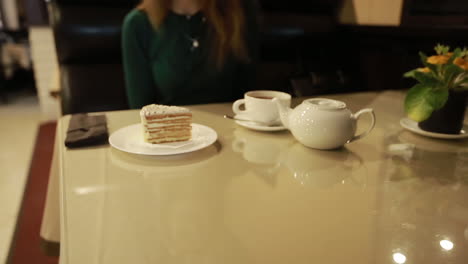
[{"x": 448, "y": 119}]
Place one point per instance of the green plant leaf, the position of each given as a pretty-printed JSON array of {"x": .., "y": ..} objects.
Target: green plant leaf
[
  {"x": 452, "y": 71},
  {"x": 410, "y": 74},
  {"x": 416, "y": 106},
  {"x": 461, "y": 86},
  {"x": 464, "y": 52},
  {"x": 456, "y": 54},
  {"x": 421, "y": 100},
  {"x": 441, "y": 49},
  {"x": 438, "y": 97},
  {"x": 423, "y": 57},
  {"x": 426, "y": 79},
  {"x": 463, "y": 82}
]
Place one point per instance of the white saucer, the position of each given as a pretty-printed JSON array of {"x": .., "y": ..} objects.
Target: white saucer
[
  {"x": 130, "y": 139},
  {"x": 256, "y": 126},
  {"x": 413, "y": 127}
]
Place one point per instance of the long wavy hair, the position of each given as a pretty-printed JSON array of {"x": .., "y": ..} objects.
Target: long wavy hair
[{"x": 226, "y": 18}]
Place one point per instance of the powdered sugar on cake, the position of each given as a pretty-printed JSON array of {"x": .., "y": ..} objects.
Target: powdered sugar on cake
[{"x": 155, "y": 109}]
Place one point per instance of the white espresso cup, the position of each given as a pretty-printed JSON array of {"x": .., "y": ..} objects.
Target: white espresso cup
[{"x": 259, "y": 105}]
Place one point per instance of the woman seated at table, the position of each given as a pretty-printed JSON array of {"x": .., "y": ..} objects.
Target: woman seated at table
[{"x": 180, "y": 52}]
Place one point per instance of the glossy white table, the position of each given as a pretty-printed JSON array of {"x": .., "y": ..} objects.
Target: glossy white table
[{"x": 256, "y": 197}]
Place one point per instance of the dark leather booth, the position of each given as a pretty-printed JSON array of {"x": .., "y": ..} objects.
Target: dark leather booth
[
  {"x": 303, "y": 50},
  {"x": 87, "y": 35}
]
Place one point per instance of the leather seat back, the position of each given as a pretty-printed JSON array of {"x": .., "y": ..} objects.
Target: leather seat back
[{"x": 87, "y": 36}]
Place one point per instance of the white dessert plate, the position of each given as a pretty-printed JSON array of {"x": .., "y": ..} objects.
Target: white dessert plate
[
  {"x": 413, "y": 127},
  {"x": 256, "y": 126},
  {"x": 130, "y": 139}
]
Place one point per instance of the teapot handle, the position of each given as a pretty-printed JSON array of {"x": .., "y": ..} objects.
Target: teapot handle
[{"x": 356, "y": 116}]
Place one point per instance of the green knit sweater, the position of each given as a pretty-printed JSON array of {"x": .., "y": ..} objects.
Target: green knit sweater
[{"x": 173, "y": 65}]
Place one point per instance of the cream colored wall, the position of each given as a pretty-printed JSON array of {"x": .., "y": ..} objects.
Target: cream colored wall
[
  {"x": 372, "y": 12},
  {"x": 10, "y": 13}
]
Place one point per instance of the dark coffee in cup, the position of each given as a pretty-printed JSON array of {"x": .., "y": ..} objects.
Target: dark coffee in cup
[{"x": 263, "y": 97}]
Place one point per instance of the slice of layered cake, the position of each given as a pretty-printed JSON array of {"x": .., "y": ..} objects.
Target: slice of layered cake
[{"x": 163, "y": 124}]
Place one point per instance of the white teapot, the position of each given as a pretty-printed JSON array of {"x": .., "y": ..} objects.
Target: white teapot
[{"x": 322, "y": 123}]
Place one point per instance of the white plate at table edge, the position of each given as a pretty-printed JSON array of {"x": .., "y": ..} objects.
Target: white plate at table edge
[
  {"x": 202, "y": 136},
  {"x": 255, "y": 126},
  {"x": 413, "y": 127}
]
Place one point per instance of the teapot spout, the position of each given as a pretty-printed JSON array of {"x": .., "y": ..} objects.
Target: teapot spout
[{"x": 284, "y": 111}]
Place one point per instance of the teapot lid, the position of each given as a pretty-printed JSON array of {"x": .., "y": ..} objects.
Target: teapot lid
[{"x": 325, "y": 104}]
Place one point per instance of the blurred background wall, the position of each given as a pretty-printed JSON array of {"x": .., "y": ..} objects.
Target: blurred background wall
[{"x": 372, "y": 12}]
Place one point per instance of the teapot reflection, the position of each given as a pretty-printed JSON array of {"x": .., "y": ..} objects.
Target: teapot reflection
[
  {"x": 268, "y": 153},
  {"x": 321, "y": 168}
]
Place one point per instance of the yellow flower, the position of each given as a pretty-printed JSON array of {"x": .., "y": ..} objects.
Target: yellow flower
[
  {"x": 460, "y": 62},
  {"x": 438, "y": 59},
  {"x": 426, "y": 69}
]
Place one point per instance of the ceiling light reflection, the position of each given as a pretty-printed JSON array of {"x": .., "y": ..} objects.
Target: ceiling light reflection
[
  {"x": 399, "y": 258},
  {"x": 93, "y": 189},
  {"x": 446, "y": 244}
]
